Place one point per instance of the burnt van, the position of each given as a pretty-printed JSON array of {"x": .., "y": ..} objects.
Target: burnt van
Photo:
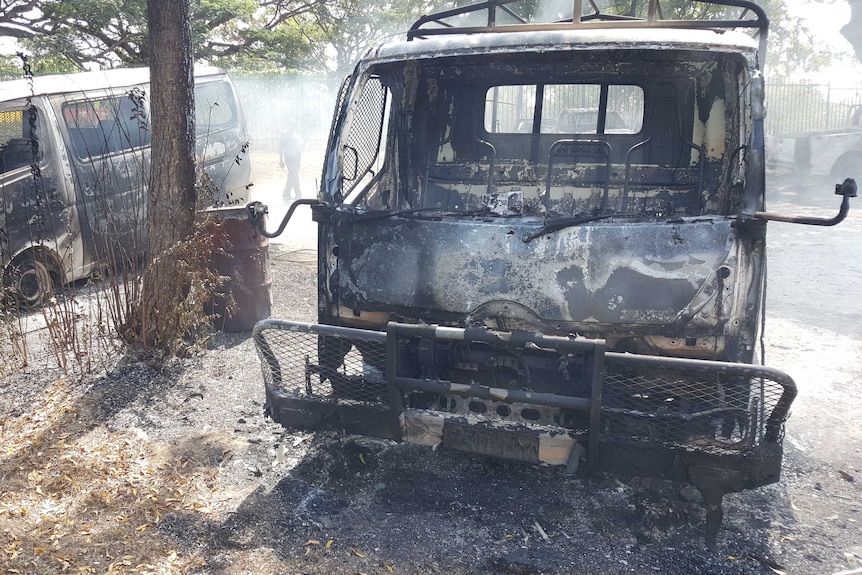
[
  {"x": 74, "y": 168},
  {"x": 544, "y": 241}
]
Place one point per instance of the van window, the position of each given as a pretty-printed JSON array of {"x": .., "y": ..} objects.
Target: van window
[
  {"x": 214, "y": 107},
  {"x": 106, "y": 126},
  {"x": 16, "y": 146},
  {"x": 565, "y": 109}
]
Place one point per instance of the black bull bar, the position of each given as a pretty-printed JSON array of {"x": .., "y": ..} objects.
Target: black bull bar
[{"x": 534, "y": 398}]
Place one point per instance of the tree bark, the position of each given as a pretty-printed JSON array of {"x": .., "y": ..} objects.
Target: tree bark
[
  {"x": 852, "y": 31},
  {"x": 171, "y": 199}
]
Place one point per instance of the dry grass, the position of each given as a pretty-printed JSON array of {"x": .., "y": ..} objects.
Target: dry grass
[{"x": 78, "y": 498}]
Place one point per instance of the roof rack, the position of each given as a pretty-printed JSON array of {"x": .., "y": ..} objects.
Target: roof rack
[{"x": 503, "y": 18}]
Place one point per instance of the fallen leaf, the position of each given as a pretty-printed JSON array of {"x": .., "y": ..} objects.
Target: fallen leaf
[
  {"x": 329, "y": 543},
  {"x": 357, "y": 552},
  {"x": 540, "y": 531},
  {"x": 313, "y": 542},
  {"x": 362, "y": 458},
  {"x": 389, "y": 568},
  {"x": 766, "y": 562},
  {"x": 846, "y": 476}
]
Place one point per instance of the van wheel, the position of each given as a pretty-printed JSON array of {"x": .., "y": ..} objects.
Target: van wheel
[
  {"x": 848, "y": 166},
  {"x": 30, "y": 283}
]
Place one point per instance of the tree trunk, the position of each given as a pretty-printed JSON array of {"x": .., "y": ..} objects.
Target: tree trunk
[
  {"x": 852, "y": 31},
  {"x": 171, "y": 200}
]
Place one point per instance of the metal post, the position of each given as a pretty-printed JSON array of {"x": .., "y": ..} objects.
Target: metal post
[
  {"x": 393, "y": 392},
  {"x": 653, "y": 9},
  {"x": 597, "y": 359}
]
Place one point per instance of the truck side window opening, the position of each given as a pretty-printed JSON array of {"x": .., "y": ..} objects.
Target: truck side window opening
[{"x": 363, "y": 146}]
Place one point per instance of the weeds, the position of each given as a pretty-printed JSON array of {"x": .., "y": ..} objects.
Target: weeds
[{"x": 185, "y": 323}]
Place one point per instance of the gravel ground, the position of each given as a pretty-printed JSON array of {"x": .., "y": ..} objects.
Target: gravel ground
[{"x": 321, "y": 503}]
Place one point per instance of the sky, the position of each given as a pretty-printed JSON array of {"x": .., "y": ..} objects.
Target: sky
[
  {"x": 7, "y": 45},
  {"x": 825, "y": 19}
]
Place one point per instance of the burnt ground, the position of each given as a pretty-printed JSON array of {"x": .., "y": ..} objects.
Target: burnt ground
[{"x": 319, "y": 503}]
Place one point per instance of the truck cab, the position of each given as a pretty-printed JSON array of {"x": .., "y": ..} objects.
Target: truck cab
[{"x": 544, "y": 241}]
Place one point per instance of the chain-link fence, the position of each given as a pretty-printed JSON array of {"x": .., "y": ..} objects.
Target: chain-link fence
[{"x": 793, "y": 108}]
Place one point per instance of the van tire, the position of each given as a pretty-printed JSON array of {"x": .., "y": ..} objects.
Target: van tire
[
  {"x": 848, "y": 166},
  {"x": 30, "y": 283}
]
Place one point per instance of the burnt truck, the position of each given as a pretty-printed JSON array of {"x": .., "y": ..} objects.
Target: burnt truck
[{"x": 576, "y": 292}]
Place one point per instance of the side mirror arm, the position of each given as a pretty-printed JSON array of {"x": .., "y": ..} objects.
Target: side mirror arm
[
  {"x": 257, "y": 211},
  {"x": 847, "y": 189}
]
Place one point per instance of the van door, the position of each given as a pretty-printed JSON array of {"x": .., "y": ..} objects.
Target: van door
[
  {"x": 35, "y": 224},
  {"x": 221, "y": 140},
  {"x": 108, "y": 138}
]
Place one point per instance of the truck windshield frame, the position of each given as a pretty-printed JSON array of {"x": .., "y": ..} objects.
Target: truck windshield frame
[{"x": 661, "y": 142}]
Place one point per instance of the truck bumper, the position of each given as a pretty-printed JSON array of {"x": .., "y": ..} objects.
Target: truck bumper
[{"x": 548, "y": 399}]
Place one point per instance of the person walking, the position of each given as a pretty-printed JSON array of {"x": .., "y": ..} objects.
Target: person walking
[{"x": 290, "y": 155}]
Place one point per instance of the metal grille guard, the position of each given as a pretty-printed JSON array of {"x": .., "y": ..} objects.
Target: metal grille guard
[{"x": 533, "y": 398}]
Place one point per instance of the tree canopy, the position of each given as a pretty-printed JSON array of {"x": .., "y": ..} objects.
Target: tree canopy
[
  {"x": 295, "y": 36},
  {"x": 284, "y": 35},
  {"x": 112, "y": 33}
]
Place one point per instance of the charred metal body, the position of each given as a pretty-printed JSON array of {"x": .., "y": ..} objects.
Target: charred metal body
[{"x": 546, "y": 242}]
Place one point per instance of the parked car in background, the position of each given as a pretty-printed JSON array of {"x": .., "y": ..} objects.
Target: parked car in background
[
  {"x": 836, "y": 153},
  {"x": 74, "y": 169}
]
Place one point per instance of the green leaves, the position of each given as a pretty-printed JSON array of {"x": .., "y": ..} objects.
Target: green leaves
[{"x": 306, "y": 36}]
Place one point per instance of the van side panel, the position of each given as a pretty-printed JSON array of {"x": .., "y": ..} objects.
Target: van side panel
[
  {"x": 222, "y": 141},
  {"x": 109, "y": 161}
]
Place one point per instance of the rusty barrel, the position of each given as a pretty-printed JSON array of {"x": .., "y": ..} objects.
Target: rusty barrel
[{"x": 245, "y": 294}]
